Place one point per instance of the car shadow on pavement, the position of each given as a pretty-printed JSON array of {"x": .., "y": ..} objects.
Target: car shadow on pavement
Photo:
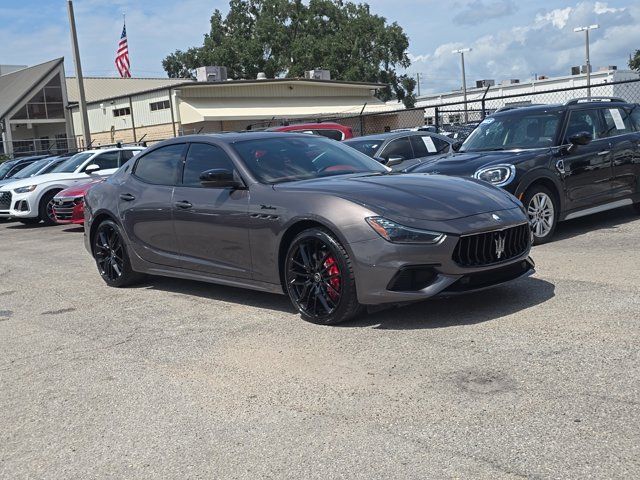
[
  {"x": 222, "y": 293},
  {"x": 466, "y": 309},
  {"x": 609, "y": 220}
]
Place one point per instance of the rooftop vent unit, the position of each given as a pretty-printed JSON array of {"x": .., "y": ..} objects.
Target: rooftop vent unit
[
  {"x": 211, "y": 74},
  {"x": 577, "y": 70},
  {"x": 607, "y": 68},
  {"x": 510, "y": 81},
  {"x": 261, "y": 76},
  {"x": 318, "y": 74},
  {"x": 485, "y": 83}
]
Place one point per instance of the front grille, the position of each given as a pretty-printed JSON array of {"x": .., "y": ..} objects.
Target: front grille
[
  {"x": 492, "y": 247},
  {"x": 63, "y": 209},
  {"x": 5, "y": 200}
]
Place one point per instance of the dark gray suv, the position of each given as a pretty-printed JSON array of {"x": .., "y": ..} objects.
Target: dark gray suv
[{"x": 302, "y": 215}]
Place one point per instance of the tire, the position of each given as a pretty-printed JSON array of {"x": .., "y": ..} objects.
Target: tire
[
  {"x": 45, "y": 208},
  {"x": 29, "y": 221},
  {"x": 543, "y": 211},
  {"x": 636, "y": 207},
  {"x": 110, "y": 254},
  {"x": 319, "y": 278}
]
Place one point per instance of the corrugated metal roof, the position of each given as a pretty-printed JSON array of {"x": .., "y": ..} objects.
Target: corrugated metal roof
[
  {"x": 105, "y": 88},
  {"x": 16, "y": 85}
]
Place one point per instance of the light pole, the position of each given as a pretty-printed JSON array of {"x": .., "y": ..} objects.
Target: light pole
[
  {"x": 82, "y": 107},
  {"x": 462, "y": 51},
  {"x": 586, "y": 31}
]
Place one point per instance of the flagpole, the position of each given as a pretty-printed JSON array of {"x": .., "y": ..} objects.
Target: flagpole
[{"x": 86, "y": 133}]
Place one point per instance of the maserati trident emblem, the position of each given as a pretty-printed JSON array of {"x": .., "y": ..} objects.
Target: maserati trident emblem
[
  {"x": 495, "y": 217},
  {"x": 499, "y": 241}
]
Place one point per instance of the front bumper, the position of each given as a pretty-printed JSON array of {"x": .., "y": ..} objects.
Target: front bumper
[
  {"x": 396, "y": 273},
  {"x": 69, "y": 210},
  {"x": 20, "y": 205}
]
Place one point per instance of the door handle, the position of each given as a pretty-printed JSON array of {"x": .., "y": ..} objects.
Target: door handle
[
  {"x": 183, "y": 204},
  {"x": 604, "y": 152},
  {"x": 127, "y": 197}
]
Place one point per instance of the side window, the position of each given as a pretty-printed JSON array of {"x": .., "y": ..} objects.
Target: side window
[
  {"x": 398, "y": 148},
  {"x": 425, "y": 145},
  {"x": 617, "y": 121},
  {"x": 584, "y": 121},
  {"x": 332, "y": 134},
  {"x": 161, "y": 166},
  {"x": 419, "y": 146},
  {"x": 126, "y": 155},
  {"x": 106, "y": 160},
  {"x": 441, "y": 145},
  {"x": 202, "y": 157}
]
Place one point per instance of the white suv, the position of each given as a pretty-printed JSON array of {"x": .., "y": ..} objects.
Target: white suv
[{"x": 30, "y": 200}]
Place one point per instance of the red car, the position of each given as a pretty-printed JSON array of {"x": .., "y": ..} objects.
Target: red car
[
  {"x": 334, "y": 131},
  {"x": 68, "y": 205}
]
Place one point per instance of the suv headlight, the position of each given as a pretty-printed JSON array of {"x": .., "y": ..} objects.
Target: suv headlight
[
  {"x": 30, "y": 188},
  {"x": 396, "y": 233},
  {"x": 498, "y": 175}
]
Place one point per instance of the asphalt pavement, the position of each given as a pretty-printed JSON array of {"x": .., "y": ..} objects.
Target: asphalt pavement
[{"x": 177, "y": 379}]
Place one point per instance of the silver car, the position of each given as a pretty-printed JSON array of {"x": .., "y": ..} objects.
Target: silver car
[{"x": 304, "y": 216}]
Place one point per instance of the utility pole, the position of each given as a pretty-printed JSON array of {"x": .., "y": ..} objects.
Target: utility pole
[
  {"x": 86, "y": 133},
  {"x": 418, "y": 82},
  {"x": 462, "y": 51},
  {"x": 586, "y": 31}
]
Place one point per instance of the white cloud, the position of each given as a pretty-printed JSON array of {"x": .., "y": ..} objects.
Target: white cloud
[{"x": 547, "y": 46}]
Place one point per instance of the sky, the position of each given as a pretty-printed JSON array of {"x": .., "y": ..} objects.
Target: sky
[{"x": 509, "y": 38}]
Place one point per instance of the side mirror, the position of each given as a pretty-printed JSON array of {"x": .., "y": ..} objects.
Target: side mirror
[
  {"x": 456, "y": 146},
  {"x": 93, "y": 168},
  {"x": 383, "y": 161},
  {"x": 220, "y": 178},
  {"x": 394, "y": 161},
  {"x": 581, "y": 138}
]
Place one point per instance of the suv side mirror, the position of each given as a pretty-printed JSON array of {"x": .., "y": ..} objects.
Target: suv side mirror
[
  {"x": 456, "y": 146},
  {"x": 581, "y": 138},
  {"x": 93, "y": 168},
  {"x": 220, "y": 178}
]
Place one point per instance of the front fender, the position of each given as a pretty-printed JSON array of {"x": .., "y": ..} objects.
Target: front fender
[{"x": 537, "y": 174}]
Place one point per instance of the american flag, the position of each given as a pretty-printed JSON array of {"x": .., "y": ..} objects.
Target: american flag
[{"x": 122, "y": 55}]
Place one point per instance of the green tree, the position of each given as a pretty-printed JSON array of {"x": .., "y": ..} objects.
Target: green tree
[
  {"x": 283, "y": 38},
  {"x": 634, "y": 61}
]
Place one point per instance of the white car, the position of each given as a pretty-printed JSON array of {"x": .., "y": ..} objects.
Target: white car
[{"x": 30, "y": 200}]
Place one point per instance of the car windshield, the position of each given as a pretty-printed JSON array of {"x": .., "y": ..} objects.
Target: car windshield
[
  {"x": 32, "y": 169},
  {"x": 72, "y": 164},
  {"x": 5, "y": 167},
  {"x": 276, "y": 160},
  {"x": 514, "y": 130},
  {"x": 368, "y": 147}
]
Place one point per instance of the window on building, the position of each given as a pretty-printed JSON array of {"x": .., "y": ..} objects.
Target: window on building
[
  {"x": 162, "y": 105},
  {"x": 429, "y": 121},
  {"x": 45, "y": 104},
  {"x": 121, "y": 112}
]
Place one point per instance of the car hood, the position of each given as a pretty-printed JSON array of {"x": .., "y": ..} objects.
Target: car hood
[
  {"x": 466, "y": 163},
  {"x": 47, "y": 177},
  {"x": 77, "y": 190},
  {"x": 418, "y": 196}
]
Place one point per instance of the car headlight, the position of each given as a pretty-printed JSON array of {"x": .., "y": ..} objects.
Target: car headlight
[
  {"x": 29, "y": 188},
  {"x": 396, "y": 233},
  {"x": 498, "y": 175}
]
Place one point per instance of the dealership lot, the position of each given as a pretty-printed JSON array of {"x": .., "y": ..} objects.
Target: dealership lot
[{"x": 172, "y": 378}]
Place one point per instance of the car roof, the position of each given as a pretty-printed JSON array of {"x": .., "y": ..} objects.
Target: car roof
[
  {"x": 111, "y": 149},
  {"x": 393, "y": 135},
  {"x": 556, "y": 106},
  {"x": 232, "y": 137}
]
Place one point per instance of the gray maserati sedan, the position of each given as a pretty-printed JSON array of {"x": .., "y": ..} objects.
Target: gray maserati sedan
[{"x": 306, "y": 216}]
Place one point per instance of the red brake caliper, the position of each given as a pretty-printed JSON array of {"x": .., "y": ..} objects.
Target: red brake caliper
[{"x": 333, "y": 272}]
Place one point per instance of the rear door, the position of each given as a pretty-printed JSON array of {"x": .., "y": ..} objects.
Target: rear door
[
  {"x": 211, "y": 224},
  {"x": 625, "y": 154},
  {"x": 587, "y": 168},
  {"x": 145, "y": 204}
]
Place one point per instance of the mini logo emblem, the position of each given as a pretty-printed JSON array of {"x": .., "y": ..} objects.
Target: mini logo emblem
[
  {"x": 499, "y": 241},
  {"x": 495, "y": 217}
]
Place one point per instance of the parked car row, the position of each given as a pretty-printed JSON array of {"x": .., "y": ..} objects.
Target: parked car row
[{"x": 339, "y": 226}]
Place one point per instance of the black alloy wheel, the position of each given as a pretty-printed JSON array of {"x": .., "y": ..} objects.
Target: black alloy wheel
[
  {"x": 111, "y": 256},
  {"x": 319, "y": 278}
]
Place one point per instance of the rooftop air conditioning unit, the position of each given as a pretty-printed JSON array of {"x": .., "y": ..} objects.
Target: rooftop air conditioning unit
[
  {"x": 510, "y": 81},
  {"x": 318, "y": 74},
  {"x": 485, "y": 83},
  {"x": 211, "y": 74},
  {"x": 261, "y": 76}
]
